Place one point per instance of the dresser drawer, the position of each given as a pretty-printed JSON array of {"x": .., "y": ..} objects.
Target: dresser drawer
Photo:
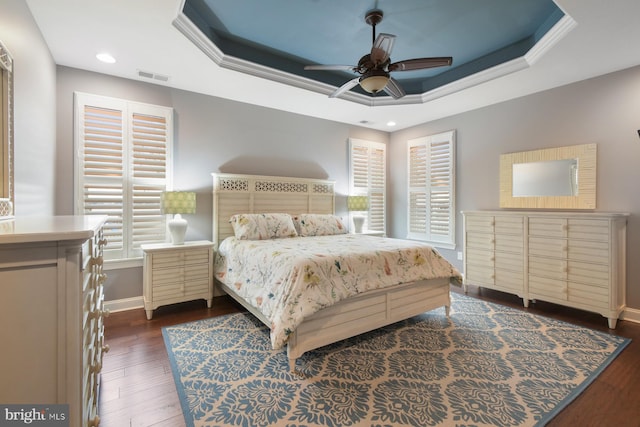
[
  {"x": 480, "y": 223},
  {"x": 509, "y": 243},
  {"x": 589, "y": 251},
  {"x": 511, "y": 280},
  {"x": 595, "y": 297},
  {"x": 551, "y": 227},
  {"x": 480, "y": 257},
  {"x": 547, "y": 247},
  {"x": 591, "y": 274},
  {"x": 509, "y": 225},
  {"x": 480, "y": 275},
  {"x": 589, "y": 229},
  {"x": 480, "y": 241},
  {"x": 509, "y": 261},
  {"x": 548, "y": 267},
  {"x": 544, "y": 286}
]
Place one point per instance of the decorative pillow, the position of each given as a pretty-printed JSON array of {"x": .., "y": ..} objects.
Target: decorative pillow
[
  {"x": 319, "y": 225},
  {"x": 262, "y": 226}
]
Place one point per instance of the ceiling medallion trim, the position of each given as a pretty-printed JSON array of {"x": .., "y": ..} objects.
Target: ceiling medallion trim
[{"x": 183, "y": 24}]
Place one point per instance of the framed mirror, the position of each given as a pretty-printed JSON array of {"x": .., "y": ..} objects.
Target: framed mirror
[
  {"x": 6, "y": 131},
  {"x": 552, "y": 178}
]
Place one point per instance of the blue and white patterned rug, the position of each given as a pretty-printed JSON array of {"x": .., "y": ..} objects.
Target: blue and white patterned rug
[{"x": 485, "y": 365}]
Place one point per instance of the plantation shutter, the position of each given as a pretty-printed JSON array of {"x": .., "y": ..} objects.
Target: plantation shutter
[
  {"x": 123, "y": 165},
  {"x": 431, "y": 213},
  {"x": 368, "y": 178}
]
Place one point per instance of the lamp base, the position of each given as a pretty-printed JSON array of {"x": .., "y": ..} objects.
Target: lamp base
[
  {"x": 177, "y": 228},
  {"x": 358, "y": 222}
]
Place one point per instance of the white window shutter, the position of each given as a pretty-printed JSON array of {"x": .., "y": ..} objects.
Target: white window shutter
[
  {"x": 367, "y": 176},
  {"x": 123, "y": 164},
  {"x": 431, "y": 175}
]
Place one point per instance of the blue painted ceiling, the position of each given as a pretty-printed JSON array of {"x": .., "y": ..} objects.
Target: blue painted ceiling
[{"x": 289, "y": 34}]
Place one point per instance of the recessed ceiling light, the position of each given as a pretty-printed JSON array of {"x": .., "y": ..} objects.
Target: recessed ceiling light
[
  {"x": 106, "y": 57},
  {"x": 391, "y": 123}
]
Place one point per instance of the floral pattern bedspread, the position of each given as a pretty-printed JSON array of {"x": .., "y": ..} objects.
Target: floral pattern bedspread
[{"x": 290, "y": 279}]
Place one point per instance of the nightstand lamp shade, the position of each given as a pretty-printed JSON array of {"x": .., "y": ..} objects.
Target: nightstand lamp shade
[
  {"x": 178, "y": 203},
  {"x": 358, "y": 204}
]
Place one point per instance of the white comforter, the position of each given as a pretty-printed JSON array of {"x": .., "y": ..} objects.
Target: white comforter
[{"x": 292, "y": 278}]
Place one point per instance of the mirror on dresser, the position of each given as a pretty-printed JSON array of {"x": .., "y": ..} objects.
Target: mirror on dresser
[
  {"x": 552, "y": 178},
  {"x": 6, "y": 132}
]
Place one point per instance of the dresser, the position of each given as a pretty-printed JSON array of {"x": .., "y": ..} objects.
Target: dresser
[
  {"x": 52, "y": 311},
  {"x": 177, "y": 273},
  {"x": 572, "y": 259}
]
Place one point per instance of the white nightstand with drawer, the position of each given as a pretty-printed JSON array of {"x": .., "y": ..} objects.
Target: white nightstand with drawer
[{"x": 177, "y": 273}]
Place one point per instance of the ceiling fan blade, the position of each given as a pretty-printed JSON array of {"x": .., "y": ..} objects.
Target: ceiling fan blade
[
  {"x": 330, "y": 67},
  {"x": 345, "y": 87},
  {"x": 382, "y": 47},
  {"x": 421, "y": 63},
  {"x": 394, "y": 89}
]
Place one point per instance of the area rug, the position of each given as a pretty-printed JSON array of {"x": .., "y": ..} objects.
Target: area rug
[{"x": 484, "y": 365}]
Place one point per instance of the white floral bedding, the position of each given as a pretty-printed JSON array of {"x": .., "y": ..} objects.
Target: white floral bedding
[{"x": 290, "y": 279}]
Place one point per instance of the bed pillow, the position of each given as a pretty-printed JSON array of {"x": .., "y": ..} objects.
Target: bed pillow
[
  {"x": 319, "y": 225},
  {"x": 262, "y": 226}
]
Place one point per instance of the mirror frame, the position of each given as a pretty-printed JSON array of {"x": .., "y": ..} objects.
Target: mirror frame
[
  {"x": 586, "y": 197},
  {"x": 6, "y": 125}
]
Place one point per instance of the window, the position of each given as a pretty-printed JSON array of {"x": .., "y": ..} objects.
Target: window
[
  {"x": 431, "y": 196},
  {"x": 367, "y": 177},
  {"x": 123, "y": 164}
]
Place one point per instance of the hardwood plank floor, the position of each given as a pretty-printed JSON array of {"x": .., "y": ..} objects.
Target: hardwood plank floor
[{"x": 138, "y": 389}]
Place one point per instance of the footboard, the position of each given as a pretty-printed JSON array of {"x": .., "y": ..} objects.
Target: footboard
[
  {"x": 367, "y": 312},
  {"x": 359, "y": 314}
]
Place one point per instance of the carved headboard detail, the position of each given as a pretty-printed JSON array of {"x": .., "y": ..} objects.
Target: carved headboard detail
[{"x": 237, "y": 193}]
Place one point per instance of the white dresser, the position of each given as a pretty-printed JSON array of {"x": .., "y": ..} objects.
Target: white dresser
[
  {"x": 51, "y": 312},
  {"x": 573, "y": 259},
  {"x": 177, "y": 273}
]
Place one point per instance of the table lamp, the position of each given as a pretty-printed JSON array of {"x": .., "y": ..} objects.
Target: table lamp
[
  {"x": 178, "y": 203},
  {"x": 358, "y": 204}
]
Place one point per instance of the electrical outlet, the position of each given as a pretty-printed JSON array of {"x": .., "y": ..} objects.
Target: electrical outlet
[{"x": 460, "y": 256}]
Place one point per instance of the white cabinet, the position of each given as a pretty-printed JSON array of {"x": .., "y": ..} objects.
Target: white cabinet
[
  {"x": 573, "y": 259},
  {"x": 51, "y": 311},
  {"x": 177, "y": 273}
]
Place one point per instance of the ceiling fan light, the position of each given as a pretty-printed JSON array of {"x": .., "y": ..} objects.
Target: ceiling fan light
[{"x": 374, "y": 84}]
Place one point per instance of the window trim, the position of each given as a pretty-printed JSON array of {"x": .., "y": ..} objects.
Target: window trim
[
  {"x": 448, "y": 241},
  {"x": 355, "y": 190},
  {"x": 128, "y": 256}
]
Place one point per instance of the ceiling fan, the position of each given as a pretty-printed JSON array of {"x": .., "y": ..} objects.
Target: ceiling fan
[{"x": 374, "y": 67}]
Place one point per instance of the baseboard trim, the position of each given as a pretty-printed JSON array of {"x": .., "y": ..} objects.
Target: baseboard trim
[
  {"x": 631, "y": 314},
  {"x": 124, "y": 304}
]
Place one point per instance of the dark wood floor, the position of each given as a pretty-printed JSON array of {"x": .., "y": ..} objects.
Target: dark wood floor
[{"x": 138, "y": 388}]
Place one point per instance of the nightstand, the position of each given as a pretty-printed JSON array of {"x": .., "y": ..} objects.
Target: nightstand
[{"x": 177, "y": 273}]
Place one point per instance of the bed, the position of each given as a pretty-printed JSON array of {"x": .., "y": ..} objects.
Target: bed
[{"x": 357, "y": 304}]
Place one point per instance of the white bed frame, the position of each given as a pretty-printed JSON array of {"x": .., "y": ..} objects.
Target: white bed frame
[{"x": 233, "y": 194}]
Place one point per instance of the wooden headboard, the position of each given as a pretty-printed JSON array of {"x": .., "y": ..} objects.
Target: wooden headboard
[{"x": 236, "y": 193}]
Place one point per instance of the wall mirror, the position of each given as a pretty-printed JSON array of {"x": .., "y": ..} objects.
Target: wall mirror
[
  {"x": 552, "y": 178},
  {"x": 6, "y": 125}
]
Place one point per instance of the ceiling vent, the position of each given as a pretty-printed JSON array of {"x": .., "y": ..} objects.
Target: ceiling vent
[{"x": 154, "y": 76}]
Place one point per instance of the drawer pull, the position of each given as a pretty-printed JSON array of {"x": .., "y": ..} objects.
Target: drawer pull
[
  {"x": 106, "y": 348},
  {"x": 102, "y": 242},
  {"x": 95, "y": 421},
  {"x": 96, "y": 368}
]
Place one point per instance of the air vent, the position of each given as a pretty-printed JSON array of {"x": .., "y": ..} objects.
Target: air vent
[{"x": 154, "y": 76}]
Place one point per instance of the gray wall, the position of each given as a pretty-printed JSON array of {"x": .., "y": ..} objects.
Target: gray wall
[
  {"x": 211, "y": 135},
  {"x": 604, "y": 110},
  {"x": 35, "y": 114}
]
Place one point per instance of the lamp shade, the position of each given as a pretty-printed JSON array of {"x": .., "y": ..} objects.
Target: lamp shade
[
  {"x": 178, "y": 202},
  {"x": 358, "y": 203}
]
